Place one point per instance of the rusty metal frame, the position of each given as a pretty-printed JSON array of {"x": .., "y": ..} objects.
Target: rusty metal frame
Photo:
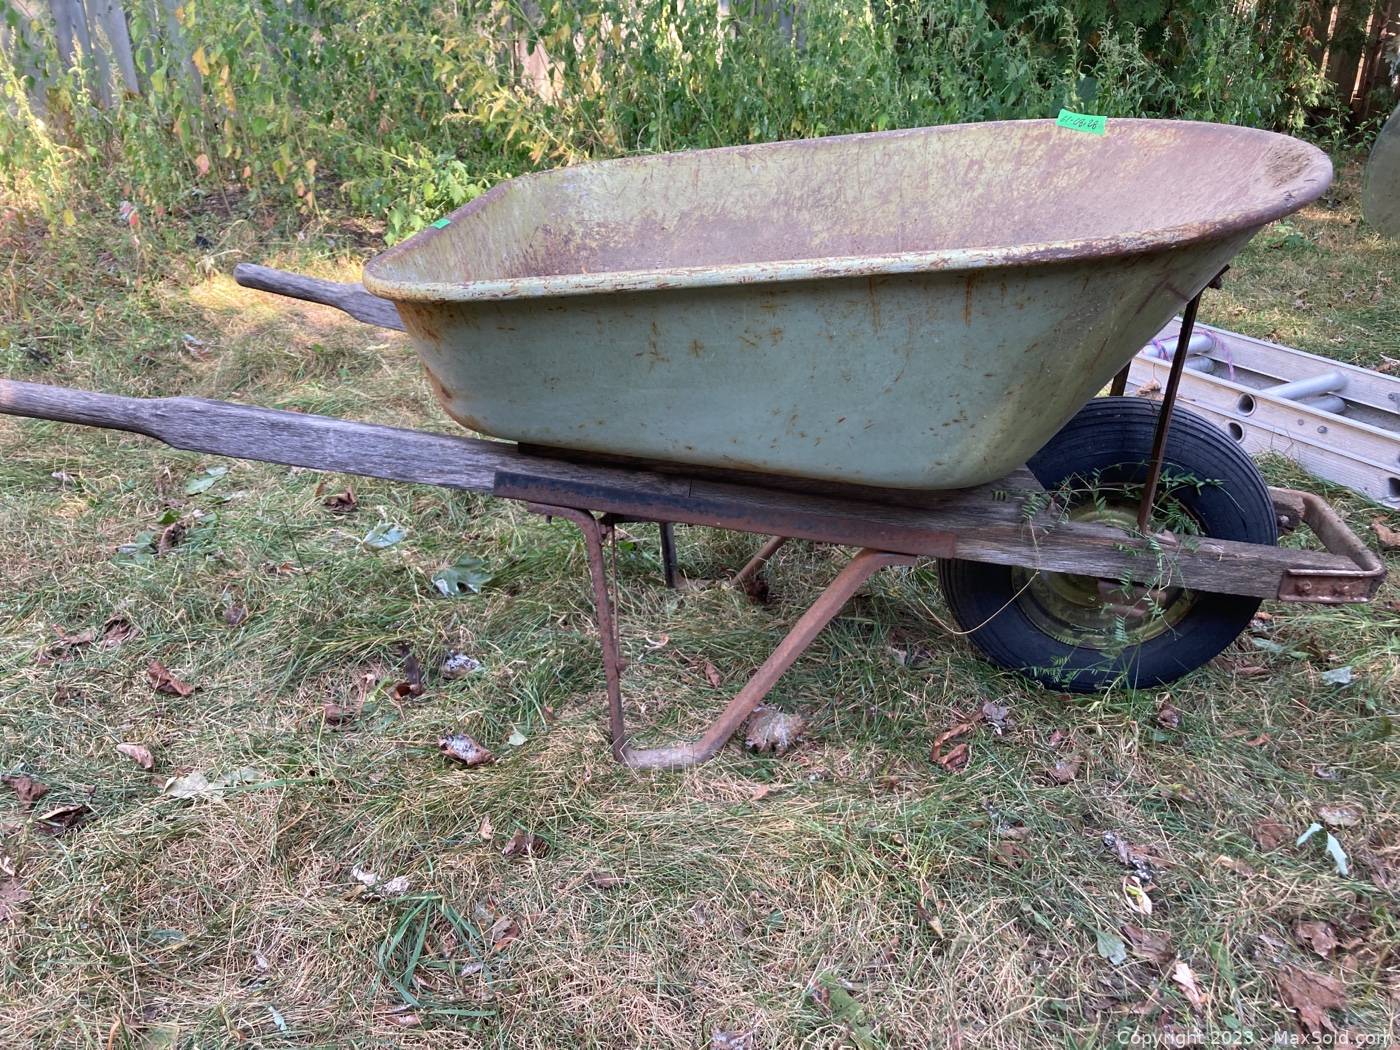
[
  {"x": 1332, "y": 586},
  {"x": 678, "y": 755}
]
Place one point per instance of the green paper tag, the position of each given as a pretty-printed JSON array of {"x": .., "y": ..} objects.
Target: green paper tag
[
  {"x": 1082, "y": 122},
  {"x": 448, "y": 222}
]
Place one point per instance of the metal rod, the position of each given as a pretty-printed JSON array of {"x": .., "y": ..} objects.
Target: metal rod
[
  {"x": 1120, "y": 382},
  {"x": 1164, "y": 415},
  {"x": 668, "y": 554},
  {"x": 755, "y": 564}
]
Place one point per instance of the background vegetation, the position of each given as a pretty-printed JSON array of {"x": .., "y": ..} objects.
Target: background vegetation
[{"x": 406, "y": 110}]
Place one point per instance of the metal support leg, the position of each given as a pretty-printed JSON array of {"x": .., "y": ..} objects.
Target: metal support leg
[
  {"x": 1164, "y": 413},
  {"x": 809, "y": 625},
  {"x": 1119, "y": 386},
  {"x": 743, "y": 579},
  {"x": 668, "y": 553}
]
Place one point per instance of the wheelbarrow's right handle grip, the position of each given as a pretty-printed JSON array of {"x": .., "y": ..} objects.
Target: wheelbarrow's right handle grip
[{"x": 343, "y": 295}]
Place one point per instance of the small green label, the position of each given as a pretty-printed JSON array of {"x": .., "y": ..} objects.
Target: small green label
[
  {"x": 444, "y": 221},
  {"x": 1082, "y": 122}
]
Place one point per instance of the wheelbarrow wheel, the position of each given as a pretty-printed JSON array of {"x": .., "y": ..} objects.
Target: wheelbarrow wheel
[{"x": 1083, "y": 633}]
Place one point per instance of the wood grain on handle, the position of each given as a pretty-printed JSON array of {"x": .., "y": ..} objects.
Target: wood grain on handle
[{"x": 345, "y": 296}]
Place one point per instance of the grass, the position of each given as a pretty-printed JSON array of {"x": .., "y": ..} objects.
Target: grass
[{"x": 851, "y": 893}]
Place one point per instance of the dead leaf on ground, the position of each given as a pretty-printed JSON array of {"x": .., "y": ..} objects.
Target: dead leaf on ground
[
  {"x": 1317, "y": 935},
  {"x": 712, "y": 675},
  {"x": 731, "y": 1040},
  {"x": 115, "y": 631},
  {"x": 955, "y": 761},
  {"x": 166, "y": 682},
  {"x": 1135, "y": 895},
  {"x": 64, "y": 818},
  {"x": 1148, "y": 389},
  {"x": 342, "y": 502},
  {"x": 413, "y": 682},
  {"x": 762, "y": 791},
  {"x": 27, "y": 788},
  {"x": 1340, "y": 816},
  {"x": 139, "y": 754},
  {"x": 1065, "y": 770},
  {"x": 1388, "y": 538},
  {"x": 172, "y": 536},
  {"x": 1270, "y": 834},
  {"x": 234, "y": 615},
  {"x": 1010, "y": 854},
  {"x": 1168, "y": 716},
  {"x": 503, "y": 931},
  {"x": 65, "y": 647},
  {"x": 12, "y": 895},
  {"x": 773, "y": 731},
  {"x": 1184, "y": 979},
  {"x": 997, "y": 716},
  {"x": 461, "y": 747},
  {"x": 1311, "y": 995},
  {"x": 605, "y": 880},
  {"x": 372, "y": 883},
  {"x": 1151, "y": 945},
  {"x": 402, "y": 1016},
  {"x": 525, "y": 844}
]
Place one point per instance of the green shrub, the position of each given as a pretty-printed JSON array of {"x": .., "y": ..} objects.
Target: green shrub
[{"x": 407, "y": 110}]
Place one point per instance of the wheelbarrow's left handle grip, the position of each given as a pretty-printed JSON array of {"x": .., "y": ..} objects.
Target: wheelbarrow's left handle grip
[{"x": 345, "y": 296}]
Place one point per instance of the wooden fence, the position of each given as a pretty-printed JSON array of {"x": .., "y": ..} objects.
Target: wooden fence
[{"x": 1355, "y": 42}]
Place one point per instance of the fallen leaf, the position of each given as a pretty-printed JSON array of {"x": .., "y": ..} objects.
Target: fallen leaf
[
  {"x": 199, "y": 784},
  {"x": 459, "y": 665},
  {"x": 234, "y": 615},
  {"x": 12, "y": 895},
  {"x": 1388, "y": 538},
  {"x": 201, "y": 165},
  {"x": 773, "y": 731},
  {"x": 605, "y": 880},
  {"x": 1337, "y": 676},
  {"x": 1168, "y": 717},
  {"x": 956, "y": 760},
  {"x": 335, "y": 713},
  {"x": 1148, "y": 389},
  {"x": 517, "y": 738},
  {"x": 1111, "y": 947},
  {"x": 1270, "y": 834},
  {"x": 115, "y": 631},
  {"x": 1057, "y": 737},
  {"x": 342, "y": 502},
  {"x": 205, "y": 481},
  {"x": 502, "y": 932},
  {"x": 1065, "y": 770},
  {"x": 1334, "y": 847},
  {"x": 996, "y": 715},
  {"x": 165, "y": 682},
  {"x": 64, "y": 818},
  {"x": 1340, "y": 816},
  {"x": 1149, "y": 944},
  {"x": 1317, "y": 935},
  {"x": 384, "y": 535},
  {"x": 712, "y": 675},
  {"x": 403, "y": 1016},
  {"x": 1010, "y": 854},
  {"x": 171, "y": 536},
  {"x": 731, "y": 1040},
  {"x": 1135, "y": 895},
  {"x": 1258, "y": 741},
  {"x": 467, "y": 575},
  {"x": 1311, "y": 995},
  {"x": 1326, "y": 773},
  {"x": 485, "y": 831},
  {"x": 762, "y": 791},
  {"x": 464, "y": 749},
  {"x": 27, "y": 788},
  {"x": 138, "y": 754},
  {"x": 525, "y": 844},
  {"x": 395, "y": 887},
  {"x": 1186, "y": 981},
  {"x": 65, "y": 647}
]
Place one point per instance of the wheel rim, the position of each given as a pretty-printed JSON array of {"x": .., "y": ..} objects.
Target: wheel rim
[{"x": 1091, "y": 612}]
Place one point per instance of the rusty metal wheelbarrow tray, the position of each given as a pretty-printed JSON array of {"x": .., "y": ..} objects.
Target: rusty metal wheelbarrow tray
[{"x": 912, "y": 309}]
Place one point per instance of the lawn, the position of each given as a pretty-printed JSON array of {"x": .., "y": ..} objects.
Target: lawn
[{"x": 229, "y": 619}]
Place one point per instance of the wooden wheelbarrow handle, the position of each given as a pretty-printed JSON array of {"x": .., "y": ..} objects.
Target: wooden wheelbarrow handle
[{"x": 345, "y": 296}]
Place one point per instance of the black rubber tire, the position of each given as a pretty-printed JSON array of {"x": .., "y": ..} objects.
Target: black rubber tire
[{"x": 1112, "y": 437}]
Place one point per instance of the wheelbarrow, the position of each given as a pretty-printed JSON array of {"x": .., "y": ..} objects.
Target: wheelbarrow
[{"x": 890, "y": 342}]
